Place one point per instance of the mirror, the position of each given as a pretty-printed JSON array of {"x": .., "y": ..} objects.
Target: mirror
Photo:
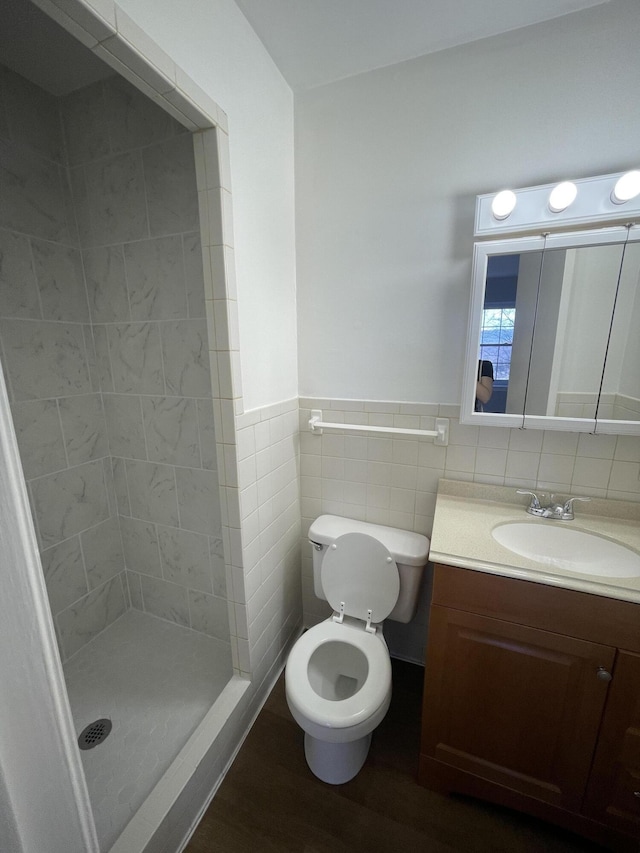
[
  {"x": 620, "y": 398},
  {"x": 558, "y": 319}
]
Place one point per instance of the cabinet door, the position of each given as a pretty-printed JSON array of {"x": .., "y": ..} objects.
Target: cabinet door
[
  {"x": 613, "y": 794},
  {"x": 514, "y": 705}
]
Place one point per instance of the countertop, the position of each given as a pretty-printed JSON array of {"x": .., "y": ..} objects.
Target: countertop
[{"x": 467, "y": 512}]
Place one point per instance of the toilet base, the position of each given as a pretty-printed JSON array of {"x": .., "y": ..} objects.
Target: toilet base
[{"x": 336, "y": 763}]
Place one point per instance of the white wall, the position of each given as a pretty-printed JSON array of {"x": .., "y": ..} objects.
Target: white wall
[
  {"x": 388, "y": 165},
  {"x": 212, "y": 42}
]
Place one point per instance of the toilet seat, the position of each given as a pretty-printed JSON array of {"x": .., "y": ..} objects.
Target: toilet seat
[
  {"x": 344, "y": 713},
  {"x": 360, "y": 578}
]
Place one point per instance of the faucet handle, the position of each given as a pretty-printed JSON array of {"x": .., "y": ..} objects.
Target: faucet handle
[
  {"x": 568, "y": 506},
  {"x": 535, "y": 501}
]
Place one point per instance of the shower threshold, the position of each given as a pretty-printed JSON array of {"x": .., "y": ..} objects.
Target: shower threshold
[{"x": 156, "y": 682}]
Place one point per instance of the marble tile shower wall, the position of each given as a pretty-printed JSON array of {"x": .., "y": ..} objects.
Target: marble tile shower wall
[
  {"x": 104, "y": 346},
  {"x": 394, "y": 480},
  {"x": 133, "y": 182},
  {"x": 47, "y": 354}
]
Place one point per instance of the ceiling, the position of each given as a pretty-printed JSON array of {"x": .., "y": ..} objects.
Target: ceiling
[
  {"x": 37, "y": 48},
  {"x": 314, "y": 42}
]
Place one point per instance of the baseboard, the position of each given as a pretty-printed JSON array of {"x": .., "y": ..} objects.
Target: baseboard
[{"x": 408, "y": 659}]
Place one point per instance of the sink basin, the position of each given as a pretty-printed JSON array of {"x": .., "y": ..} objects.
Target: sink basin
[{"x": 569, "y": 549}]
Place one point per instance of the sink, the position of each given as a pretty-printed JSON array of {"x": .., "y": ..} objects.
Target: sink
[{"x": 559, "y": 547}]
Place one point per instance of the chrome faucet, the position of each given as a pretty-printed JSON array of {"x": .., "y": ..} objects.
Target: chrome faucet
[{"x": 553, "y": 507}]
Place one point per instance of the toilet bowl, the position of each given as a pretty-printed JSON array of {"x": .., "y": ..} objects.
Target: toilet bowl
[{"x": 338, "y": 674}]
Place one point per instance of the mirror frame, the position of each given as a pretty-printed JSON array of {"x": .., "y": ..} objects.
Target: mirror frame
[{"x": 517, "y": 245}]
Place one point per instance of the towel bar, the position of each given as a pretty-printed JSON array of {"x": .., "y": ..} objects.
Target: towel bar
[{"x": 440, "y": 434}]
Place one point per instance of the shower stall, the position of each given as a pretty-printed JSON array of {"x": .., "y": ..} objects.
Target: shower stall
[{"x": 105, "y": 354}]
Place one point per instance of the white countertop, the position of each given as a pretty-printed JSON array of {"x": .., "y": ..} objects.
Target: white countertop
[{"x": 466, "y": 513}]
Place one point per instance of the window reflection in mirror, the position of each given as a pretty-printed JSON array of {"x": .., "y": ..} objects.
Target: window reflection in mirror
[{"x": 498, "y": 319}]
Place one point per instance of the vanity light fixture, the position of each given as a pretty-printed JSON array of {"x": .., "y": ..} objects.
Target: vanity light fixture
[
  {"x": 503, "y": 204},
  {"x": 562, "y": 196},
  {"x": 603, "y": 200},
  {"x": 626, "y": 188}
]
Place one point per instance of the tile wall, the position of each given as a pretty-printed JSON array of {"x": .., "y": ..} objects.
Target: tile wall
[
  {"x": 619, "y": 407},
  {"x": 265, "y": 533},
  {"x": 134, "y": 186},
  {"x": 393, "y": 480},
  {"x": 105, "y": 348},
  {"x": 258, "y": 450},
  {"x": 47, "y": 352}
]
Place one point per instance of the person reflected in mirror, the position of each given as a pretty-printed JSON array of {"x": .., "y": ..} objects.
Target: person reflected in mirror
[{"x": 484, "y": 384}]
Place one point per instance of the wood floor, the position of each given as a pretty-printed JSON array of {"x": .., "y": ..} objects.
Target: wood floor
[{"x": 271, "y": 803}]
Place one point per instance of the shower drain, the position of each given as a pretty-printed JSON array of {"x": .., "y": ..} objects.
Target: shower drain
[{"x": 94, "y": 734}]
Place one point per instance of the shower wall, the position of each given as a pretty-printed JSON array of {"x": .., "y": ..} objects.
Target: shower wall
[
  {"x": 46, "y": 341},
  {"x": 134, "y": 187},
  {"x": 106, "y": 351}
]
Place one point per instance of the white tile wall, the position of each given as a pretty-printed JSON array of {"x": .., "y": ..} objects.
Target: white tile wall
[
  {"x": 264, "y": 535},
  {"x": 394, "y": 480},
  {"x": 611, "y": 406}
]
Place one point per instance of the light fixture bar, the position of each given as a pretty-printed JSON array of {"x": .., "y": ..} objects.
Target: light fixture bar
[{"x": 584, "y": 202}]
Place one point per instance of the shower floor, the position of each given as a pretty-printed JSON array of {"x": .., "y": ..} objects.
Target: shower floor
[{"x": 155, "y": 681}]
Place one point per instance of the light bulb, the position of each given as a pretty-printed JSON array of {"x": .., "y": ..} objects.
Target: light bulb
[
  {"x": 503, "y": 204},
  {"x": 626, "y": 188},
  {"x": 562, "y": 196}
]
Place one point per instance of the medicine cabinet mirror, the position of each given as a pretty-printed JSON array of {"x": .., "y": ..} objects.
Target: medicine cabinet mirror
[{"x": 558, "y": 317}]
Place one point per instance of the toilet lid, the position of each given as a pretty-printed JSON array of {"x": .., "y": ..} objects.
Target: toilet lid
[{"x": 359, "y": 571}]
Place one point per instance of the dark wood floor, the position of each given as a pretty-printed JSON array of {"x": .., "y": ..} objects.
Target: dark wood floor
[{"x": 270, "y": 801}]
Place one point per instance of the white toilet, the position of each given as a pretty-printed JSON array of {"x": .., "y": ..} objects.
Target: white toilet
[{"x": 338, "y": 674}]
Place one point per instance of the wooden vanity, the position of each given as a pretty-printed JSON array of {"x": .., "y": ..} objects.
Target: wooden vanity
[{"x": 532, "y": 700}]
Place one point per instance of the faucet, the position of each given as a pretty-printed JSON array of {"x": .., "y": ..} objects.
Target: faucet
[{"x": 554, "y": 508}]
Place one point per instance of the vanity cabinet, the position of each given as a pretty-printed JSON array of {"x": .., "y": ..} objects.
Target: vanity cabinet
[
  {"x": 613, "y": 793},
  {"x": 530, "y": 701}
]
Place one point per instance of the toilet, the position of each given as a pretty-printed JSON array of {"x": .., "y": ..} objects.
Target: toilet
[{"x": 338, "y": 673}]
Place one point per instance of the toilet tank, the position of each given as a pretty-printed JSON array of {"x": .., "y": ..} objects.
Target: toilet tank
[{"x": 409, "y": 550}]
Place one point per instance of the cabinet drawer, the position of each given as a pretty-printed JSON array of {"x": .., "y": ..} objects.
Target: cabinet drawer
[{"x": 550, "y": 608}]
